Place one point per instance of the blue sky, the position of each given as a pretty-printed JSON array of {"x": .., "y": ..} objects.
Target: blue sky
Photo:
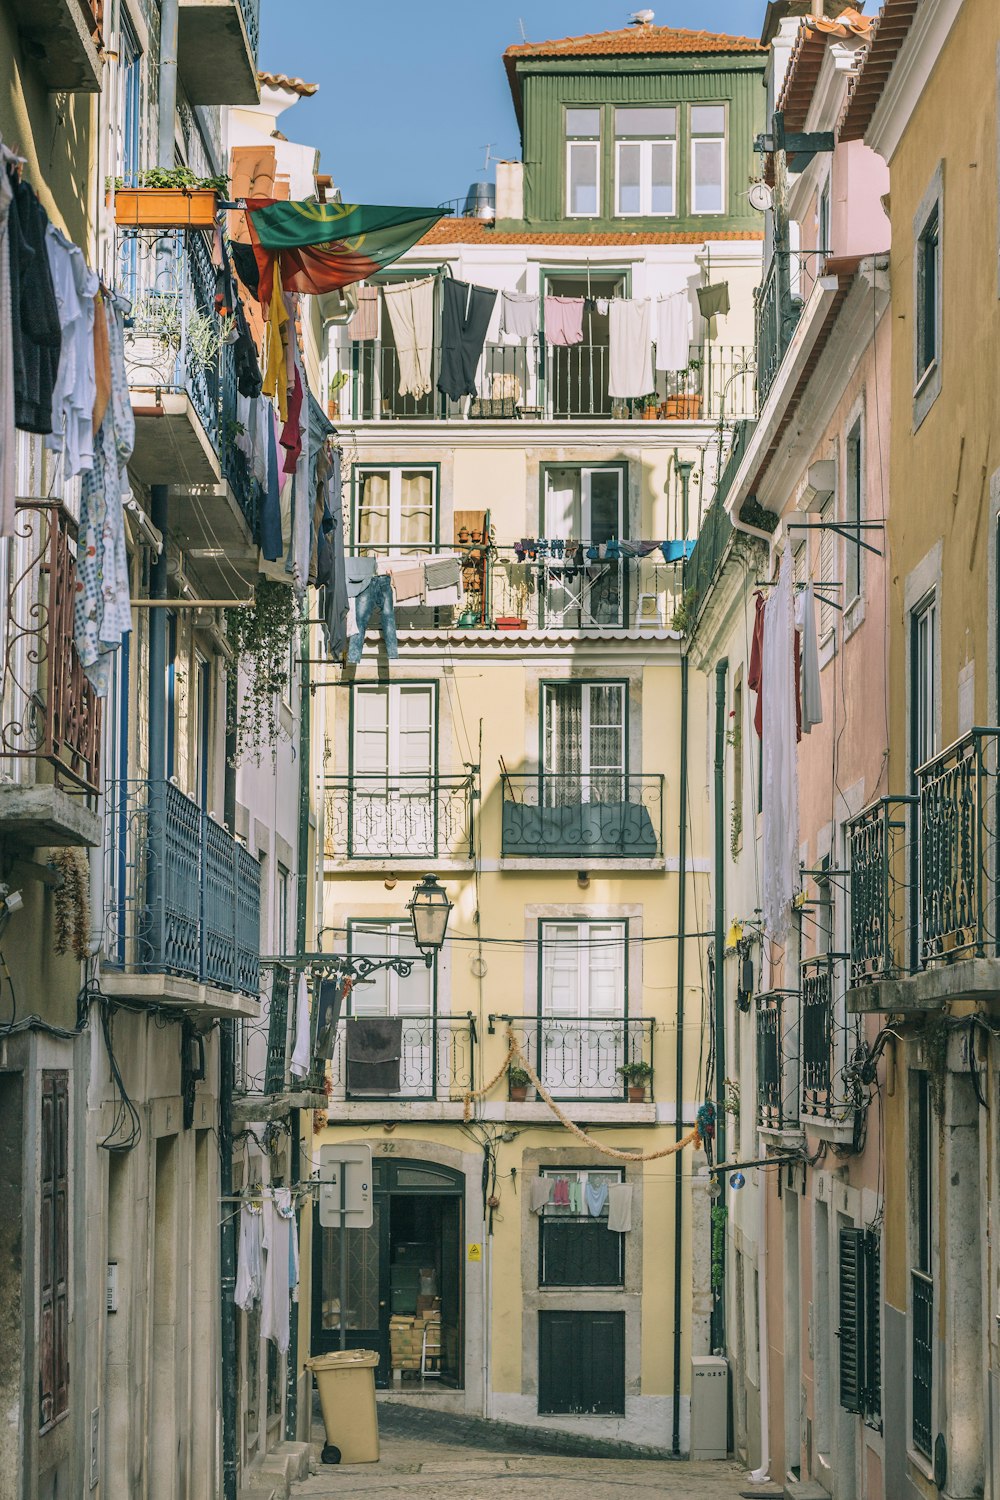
[{"x": 411, "y": 93}]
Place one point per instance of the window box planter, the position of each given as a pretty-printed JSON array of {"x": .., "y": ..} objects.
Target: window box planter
[
  {"x": 637, "y": 1093},
  {"x": 165, "y": 208}
]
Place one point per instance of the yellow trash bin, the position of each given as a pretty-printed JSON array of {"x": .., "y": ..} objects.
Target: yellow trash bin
[{"x": 346, "y": 1380}]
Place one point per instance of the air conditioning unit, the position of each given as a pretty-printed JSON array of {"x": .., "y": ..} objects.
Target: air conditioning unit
[{"x": 709, "y": 1406}]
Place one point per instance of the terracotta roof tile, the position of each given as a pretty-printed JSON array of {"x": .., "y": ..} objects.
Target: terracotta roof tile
[
  {"x": 807, "y": 59},
  {"x": 284, "y": 81},
  {"x": 890, "y": 29},
  {"x": 477, "y": 232},
  {"x": 636, "y": 41}
]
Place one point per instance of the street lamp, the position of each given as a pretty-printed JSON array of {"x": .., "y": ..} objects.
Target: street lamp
[{"x": 429, "y": 910}]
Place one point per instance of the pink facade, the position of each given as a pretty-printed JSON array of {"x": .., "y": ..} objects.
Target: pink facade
[{"x": 859, "y": 180}]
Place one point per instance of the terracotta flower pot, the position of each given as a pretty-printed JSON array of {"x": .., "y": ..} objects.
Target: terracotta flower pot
[
  {"x": 518, "y": 1093},
  {"x": 683, "y": 408},
  {"x": 165, "y": 208},
  {"x": 637, "y": 1093}
]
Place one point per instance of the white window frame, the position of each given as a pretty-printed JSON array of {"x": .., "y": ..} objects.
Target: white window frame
[
  {"x": 580, "y": 933},
  {"x": 645, "y": 144},
  {"x": 402, "y": 804},
  {"x": 700, "y": 139},
  {"x": 854, "y": 470},
  {"x": 924, "y": 708},
  {"x": 395, "y": 548},
  {"x": 587, "y": 769},
  {"x": 577, "y": 145},
  {"x": 586, "y": 473},
  {"x": 927, "y": 377}
]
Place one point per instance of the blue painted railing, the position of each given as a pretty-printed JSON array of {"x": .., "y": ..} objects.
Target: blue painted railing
[
  {"x": 251, "y": 19},
  {"x": 186, "y": 897}
]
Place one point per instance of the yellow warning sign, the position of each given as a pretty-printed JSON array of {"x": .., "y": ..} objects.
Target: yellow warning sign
[{"x": 475, "y": 1252}]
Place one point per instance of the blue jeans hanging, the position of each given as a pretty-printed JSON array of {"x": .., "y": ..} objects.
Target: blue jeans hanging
[{"x": 378, "y": 595}]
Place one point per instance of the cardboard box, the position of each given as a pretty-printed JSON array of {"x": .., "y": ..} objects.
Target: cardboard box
[{"x": 428, "y": 1305}]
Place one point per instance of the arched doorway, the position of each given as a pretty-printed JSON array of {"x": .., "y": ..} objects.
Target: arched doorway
[{"x": 410, "y": 1258}]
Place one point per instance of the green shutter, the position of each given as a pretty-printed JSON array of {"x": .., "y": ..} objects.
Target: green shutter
[
  {"x": 872, "y": 1321},
  {"x": 851, "y": 1319}
]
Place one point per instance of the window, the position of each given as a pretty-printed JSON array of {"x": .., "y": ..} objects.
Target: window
[
  {"x": 586, "y": 506},
  {"x": 171, "y": 693},
  {"x": 584, "y": 1036},
  {"x": 284, "y": 909},
  {"x": 824, "y": 219},
  {"x": 736, "y": 739},
  {"x": 581, "y": 1363},
  {"x": 392, "y": 803},
  {"x": 130, "y": 54},
  {"x": 575, "y": 1246},
  {"x": 827, "y": 570},
  {"x": 202, "y": 729},
  {"x": 921, "y": 1276},
  {"x": 411, "y": 999},
  {"x": 854, "y": 508},
  {"x": 708, "y": 158},
  {"x": 396, "y": 510},
  {"x": 928, "y": 294},
  {"x": 645, "y": 161},
  {"x": 923, "y": 708},
  {"x": 53, "y": 1354},
  {"x": 583, "y": 148},
  {"x": 860, "y": 1341},
  {"x": 583, "y": 730}
]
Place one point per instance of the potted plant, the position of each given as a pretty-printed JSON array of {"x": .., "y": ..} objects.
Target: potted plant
[
  {"x": 686, "y": 405},
  {"x": 635, "y": 1075},
  {"x": 168, "y": 199},
  {"x": 650, "y": 408},
  {"x": 518, "y": 1081}
]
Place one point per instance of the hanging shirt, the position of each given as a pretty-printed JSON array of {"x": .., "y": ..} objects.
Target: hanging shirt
[
  {"x": 249, "y": 1260},
  {"x": 563, "y": 321},
  {"x": 810, "y": 693},
  {"x": 35, "y": 333},
  {"x": 629, "y": 363},
  {"x": 465, "y": 320},
  {"x": 596, "y": 1194},
  {"x": 299, "y": 1065},
  {"x": 755, "y": 671},
  {"x": 275, "y": 377},
  {"x": 519, "y": 316},
  {"x": 76, "y": 286},
  {"x": 673, "y": 332},
  {"x": 410, "y": 306},
  {"x": 364, "y": 324},
  {"x": 780, "y": 781},
  {"x": 274, "y": 1310}
]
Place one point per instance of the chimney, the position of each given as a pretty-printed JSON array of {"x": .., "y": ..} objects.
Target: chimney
[{"x": 510, "y": 190}]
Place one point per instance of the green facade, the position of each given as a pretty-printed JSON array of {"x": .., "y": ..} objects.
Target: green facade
[{"x": 549, "y": 86}]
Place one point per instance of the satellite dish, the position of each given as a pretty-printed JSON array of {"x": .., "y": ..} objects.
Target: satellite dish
[{"x": 760, "y": 196}]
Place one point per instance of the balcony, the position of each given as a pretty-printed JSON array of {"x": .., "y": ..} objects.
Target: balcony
[
  {"x": 400, "y": 817},
  {"x": 562, "y": 384},
  {"x": 578, "y": 1058},
  {"x": 607, "y": 816},
  {"x": 879, "y": 851},
  {"x": 263, "y": 1090},
  {"x": 778, "y": 304},
  {"x": 817, "y": 1038},
  {"x": 50, "y": 730},
  {"x": 436, "y": 1066},
  {"x": 217, "y": 44},
  {"x": 777, "y": 1060},
  {"x": 182, "y": 382},
  {"x": 183, "y": 913},
  {"x": 62, "y": 39}
]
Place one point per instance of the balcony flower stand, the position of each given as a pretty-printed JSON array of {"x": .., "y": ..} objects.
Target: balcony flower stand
[
  {"x": 635, "y": 1075},
  {"x": 165, "y": 208},
  {"x": 518, "y": 1080}
]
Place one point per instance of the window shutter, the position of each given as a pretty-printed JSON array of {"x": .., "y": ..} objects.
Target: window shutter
[
  {"x": 561, "y": 971},
  {"x": 852, "y": 1278},
  {"x": 827, "y": 568},
  {"x": 606, "y": 958},
  {"x": 46, "y": 1342},
  {"x": 873, "y": 1340},
  {"x": 53, "y": 1358}
]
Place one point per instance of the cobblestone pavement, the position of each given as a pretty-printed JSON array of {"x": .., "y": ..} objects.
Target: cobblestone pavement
[{"x": 432, "y": 1453}]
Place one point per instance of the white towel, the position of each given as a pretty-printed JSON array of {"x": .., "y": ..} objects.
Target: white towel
[
  {"x": 301, "y": 1052},
  {"x": 249, "y": 1268},
  {"x": 540, "y": 1192},
  {"x": 411, "y": 312},
  {"x": 520, "y": 316},
  {"x": 673, "y": 332},
  {"x": 620, "y": 1206},
  {"x": 629, "y": 361}
]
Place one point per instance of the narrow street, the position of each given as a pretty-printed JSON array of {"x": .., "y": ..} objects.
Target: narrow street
[{"x": 432, "y": 1453}]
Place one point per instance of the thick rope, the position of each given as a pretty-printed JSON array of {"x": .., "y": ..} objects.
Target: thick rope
[{"x": 693, "y": 1137}]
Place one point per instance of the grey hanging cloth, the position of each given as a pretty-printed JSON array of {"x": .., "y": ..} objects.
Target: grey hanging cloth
[
  {"x": 374, "y": 1048},
  {"x": 465, "y": 317},
  {"x": 331, "y": 999}
]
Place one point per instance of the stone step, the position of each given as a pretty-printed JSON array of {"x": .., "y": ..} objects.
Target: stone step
[{"x": 805, "y": 1489}]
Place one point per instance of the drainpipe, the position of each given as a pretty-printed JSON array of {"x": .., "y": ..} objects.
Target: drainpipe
[
  {"x": 227, "y": 1230},
  {"x": 675, "y": 1435},
  {"x": 719, "y": 943},
  {"x": 761, "y": 1475},
  {"x": 167, "y": 79},
  {"x": 301, "y": 927}
]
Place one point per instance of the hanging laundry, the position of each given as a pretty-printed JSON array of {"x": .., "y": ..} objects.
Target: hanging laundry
[
  {"x": 8, "y": 441},
  {"x": 620, "y": 1207},
  {"x": 410, "y": 306},
  {"x": 274, "y": 1311},
  {"x": 275, "y": 379},
  {"x": 291, "y": 433},
  {"x": 35, "y": 333},
  {"x": 442, "y": 573},
  {"x": 271, "y": 544},
  {"x": 407, "y": 574},
  {"x": 755, "y": 670},
  {"x": 673, "y": 332},
  {"x": 810, "y": 692},
  {"x": 713, "y": 302},
  {"x": 76, "y": 286},
  {"x": 563, "y": 321},
  {"x": 575, "y": 1196},
  {"x": 596, "y": 1195},
  {"x": 519, "y": 316},
  {"x": 358, "y": 573},
  {"x": 465, "y": 319},
  {"x": 629, "y": 355},
  {"x": 245, "y": 264},
  {"x": 374, "y": 1046},
  {"x": 102, "y": 613},
  {"x": 539, "y": 1193},
  {"x": 102, "y": 366},
  {"x": 560, "y": 1193},
  {"x": 780, "y": 784},
  {"x": 364, "y": 324},
  {"x": 376, "y": 596},
  {"x": 301, "y": 1052},
  {"x": 249, "y": 1272}
]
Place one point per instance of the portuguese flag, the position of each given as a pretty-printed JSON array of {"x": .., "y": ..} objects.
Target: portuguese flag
[{"x": 323, "y": 246}]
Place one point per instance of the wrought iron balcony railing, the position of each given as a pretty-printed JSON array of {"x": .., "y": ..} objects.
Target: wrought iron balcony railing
[
  {"x": 958, "y": 869},
  {"x": 779, "y": 301},
  {"x": 880, "y": 843},
  {"x": 437, "y": 1062},
  {"x": 777, "y": 1059},
  {"x": 49, "y": 709},
  {"x": 817, "y": 1037},
  {"x": 579, "y": 1057},
  {"x": 545, "y": 383},
  {"x": 184, "y": 895},
  {"x": 424, "y": 816},
  {"x": 601, "y": 815}
]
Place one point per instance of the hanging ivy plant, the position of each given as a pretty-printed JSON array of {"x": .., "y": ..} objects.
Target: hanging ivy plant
[
  {"x": 72, "y": 903},
  {"x": 719, "y": 1216},
  {"x": 261, "y": 637}
]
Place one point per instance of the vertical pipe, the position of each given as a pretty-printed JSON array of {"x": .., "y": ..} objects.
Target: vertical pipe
[
  {"x": 156, "y": 769},
  {"x": 719, "y": 943},
  {"x": 675, "y": 1435},
  {"x": 167, "y": 84},
  {"x": 227, "y": 1230}
]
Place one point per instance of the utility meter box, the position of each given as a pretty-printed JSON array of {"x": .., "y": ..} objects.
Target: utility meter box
[{"x": 709, "y": 1406}]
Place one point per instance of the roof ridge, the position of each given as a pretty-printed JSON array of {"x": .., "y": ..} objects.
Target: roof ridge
[{"x": 639, "y": 33}]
